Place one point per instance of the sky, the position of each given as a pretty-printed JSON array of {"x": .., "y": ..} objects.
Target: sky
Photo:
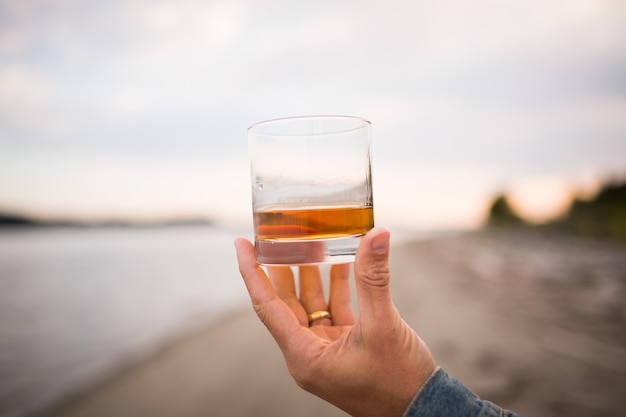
[{"x": 138, "y": 109}]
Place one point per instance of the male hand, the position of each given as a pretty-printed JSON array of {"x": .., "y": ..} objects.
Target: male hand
[{"x": 371, "y": 365}]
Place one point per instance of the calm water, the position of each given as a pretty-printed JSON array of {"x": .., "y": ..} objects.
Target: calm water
[{"x": 79, "y": 303}]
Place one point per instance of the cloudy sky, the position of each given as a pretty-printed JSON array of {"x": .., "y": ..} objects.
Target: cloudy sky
[{"x": 137, "y": 108}]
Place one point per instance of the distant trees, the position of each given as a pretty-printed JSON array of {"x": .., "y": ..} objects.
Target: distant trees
[
  {"x": 602, "y": 217},
  {"x": 502, "y": 214},
  {"x": 15, "y": 220}
]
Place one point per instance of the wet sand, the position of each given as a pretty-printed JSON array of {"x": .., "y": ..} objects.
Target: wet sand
[{"x": 534, "y": 323}]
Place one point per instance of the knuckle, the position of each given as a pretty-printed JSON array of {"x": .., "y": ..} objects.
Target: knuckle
[
  {"x": 375, "y": 275},
  {"x": 261, "y": 312}
]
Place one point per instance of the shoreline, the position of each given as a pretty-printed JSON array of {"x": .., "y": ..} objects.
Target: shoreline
[
  {"x": 214, "y": 370},
  {"x": 513, "y": 316},
  {"x": 133, "y": 362}
]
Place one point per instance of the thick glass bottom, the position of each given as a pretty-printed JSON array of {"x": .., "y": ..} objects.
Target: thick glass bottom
[{"x": 306, "y": 252}]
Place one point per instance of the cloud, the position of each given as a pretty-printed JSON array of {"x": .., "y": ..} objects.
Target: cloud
[
  {"x": 517, "y": 88},
  {"x": 105, "y": 187},
  {"x": 22, "y": 89},
  {"x": 428, "y": 195},
  {"x": 27, "y": 106}
]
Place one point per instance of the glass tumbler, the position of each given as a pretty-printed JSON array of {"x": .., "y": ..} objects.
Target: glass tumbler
[{"x": 311, "y": 188}]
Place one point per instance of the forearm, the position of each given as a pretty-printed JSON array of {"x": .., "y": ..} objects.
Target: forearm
[{"x": 443, "y": 395}]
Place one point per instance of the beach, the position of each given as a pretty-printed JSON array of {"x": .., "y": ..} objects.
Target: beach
[{"x": 532, "y": 322}]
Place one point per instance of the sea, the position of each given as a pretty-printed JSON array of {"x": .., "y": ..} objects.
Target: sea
[{"x": 78, "y": 304}]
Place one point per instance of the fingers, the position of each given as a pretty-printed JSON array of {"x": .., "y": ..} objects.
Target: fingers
[
  {"x": 273, "y": 312},
  {"x": 282, "y": 280},
  {"x": 372, "y": 278},
  {"x": 254, "y": 277},
  {"x": 284, "y": 285},
  {"x": 312, "y": 292},
  {"x": 280, "y": 285},
  {"x": 340, "y": 302}
]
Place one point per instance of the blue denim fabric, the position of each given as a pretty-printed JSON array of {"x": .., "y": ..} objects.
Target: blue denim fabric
[{"x": 444, "y": 396}]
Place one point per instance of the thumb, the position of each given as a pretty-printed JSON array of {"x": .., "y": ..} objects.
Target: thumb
[{"x": 371, "y": 270}]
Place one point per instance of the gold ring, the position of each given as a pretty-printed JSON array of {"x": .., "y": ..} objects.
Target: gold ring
[{"x": 317, "y": 315}]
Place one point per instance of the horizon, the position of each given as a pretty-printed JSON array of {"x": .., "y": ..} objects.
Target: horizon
[{"x": 533, "y": 215}]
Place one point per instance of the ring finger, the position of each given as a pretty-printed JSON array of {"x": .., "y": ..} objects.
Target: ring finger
[{"x": 312, "y": 292}]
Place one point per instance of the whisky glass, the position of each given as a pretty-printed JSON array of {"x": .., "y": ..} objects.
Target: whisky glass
[{"x": 311, "y": 188}]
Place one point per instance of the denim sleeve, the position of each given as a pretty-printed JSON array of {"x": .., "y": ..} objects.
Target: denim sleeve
[{"x": 442, "y": 395}]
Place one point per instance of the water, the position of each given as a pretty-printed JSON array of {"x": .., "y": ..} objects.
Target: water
[{"x": 78, "y": 304}]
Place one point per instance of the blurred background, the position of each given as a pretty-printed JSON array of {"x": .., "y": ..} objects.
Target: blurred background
[
  {"x": 123, "y": 113},
  {"x": 133, "y": 109}
]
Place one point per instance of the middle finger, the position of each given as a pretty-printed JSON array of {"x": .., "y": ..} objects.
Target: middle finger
[{"x": 284, "y": 285}]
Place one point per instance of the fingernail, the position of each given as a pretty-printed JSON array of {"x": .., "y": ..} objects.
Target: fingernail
[{"x": 380, "y": 244}]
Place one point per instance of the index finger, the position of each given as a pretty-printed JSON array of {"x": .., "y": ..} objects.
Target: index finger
[{"x": 279, "y": 319}]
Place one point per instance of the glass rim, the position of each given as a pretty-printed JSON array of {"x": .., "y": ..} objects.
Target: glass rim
[{"x": 270, "y": 122}]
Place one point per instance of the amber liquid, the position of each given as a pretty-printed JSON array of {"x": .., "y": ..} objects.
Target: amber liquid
[{"x": 313, "y": 223}]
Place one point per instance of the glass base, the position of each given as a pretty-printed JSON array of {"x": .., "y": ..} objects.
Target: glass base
[{"x": 307, "y": 252}]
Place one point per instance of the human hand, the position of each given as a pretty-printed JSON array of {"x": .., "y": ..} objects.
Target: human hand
[{"x": 370, "y": 365}]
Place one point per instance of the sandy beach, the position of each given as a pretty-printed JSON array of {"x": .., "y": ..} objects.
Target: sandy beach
[{"x": 534, "y": 323}]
